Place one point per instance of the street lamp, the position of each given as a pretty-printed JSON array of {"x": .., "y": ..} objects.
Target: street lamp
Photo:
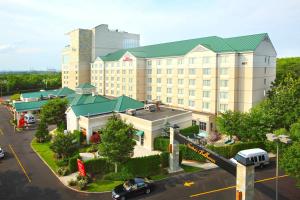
[{"x": 280, "y": 138}]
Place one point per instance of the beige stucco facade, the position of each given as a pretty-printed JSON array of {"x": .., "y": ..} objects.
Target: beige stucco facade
[{"x": 85, "y": 45}]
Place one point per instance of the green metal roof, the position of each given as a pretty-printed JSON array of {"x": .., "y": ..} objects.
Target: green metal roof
[
  {"x": 79, "y": 99},
  {"x": 119, "y": 104},
  {"x": 65, "y": 91},
  {"x": 45, "y": 93},
  {"x": 214, "y": 43},
  {"x": 85, "y": 86},
  {"x": 27, "y": 106}
]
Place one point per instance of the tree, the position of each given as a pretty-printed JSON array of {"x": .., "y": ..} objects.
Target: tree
[
  {"x": 230, "y": 123},
  {"x": 285, "y": 66},
  {"x": 295, "y": 131},
  {"x": 42, "y": 133},
  {"x": 53, "y": 112},
  {"x": 15, "y": 97},
  {"x": 117, "y": 143},
  {"x": 290, "y": 161},
  {"x": 64, "y": 145}
]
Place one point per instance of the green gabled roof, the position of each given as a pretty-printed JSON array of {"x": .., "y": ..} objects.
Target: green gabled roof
[
  {"x": 119, "y": 104},
  {"x": 39, "y": 94},
  {"x": 65, "y": 91},
  {"x": 26, "y": 106},
  {"x": 79, "y": 99},
  {"x": 85, "y": 86},
  {"x": 179, "y": 48}
]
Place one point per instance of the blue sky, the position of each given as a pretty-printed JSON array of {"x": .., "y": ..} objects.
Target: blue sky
[{"x": 33, "y": 31}]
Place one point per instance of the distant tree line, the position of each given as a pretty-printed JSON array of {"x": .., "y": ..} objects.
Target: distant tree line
[{"x": 27, "y": 82}]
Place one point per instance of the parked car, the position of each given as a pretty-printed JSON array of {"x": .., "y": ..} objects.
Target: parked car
[
  {"x": 258, "y": 156},
  {"x": 29, "y": 118},
  {"x": 1, "y": 153},
  {"x": 131, "y": 188}
]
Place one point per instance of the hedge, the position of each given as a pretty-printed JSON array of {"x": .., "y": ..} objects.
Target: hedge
[
  {"x": 98, "y": 166},
  {"x": 190, "y": 131},
  {"x": 72, "y": 165},
  {"x": 143, "y": 166},
  {"x": 161, "y": 143},
  {"x": 164, "y": 159}
]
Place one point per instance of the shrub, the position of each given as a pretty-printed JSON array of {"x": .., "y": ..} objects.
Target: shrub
[
  {"x": 92, "y": 148},
  {"x": 161, "y": 143},
  {"x": 62, "y": 162},
  {"x": 72, "y": 164},
  {"x": 99, "y": 165},
  {"x": 164, "y": 159},
  {"x": 120, "y": 176},
  {"x": 63, "y": 171},
  {"x": 72, "y": 182},
  {"x": 82, "y": 184},
  {"x": 190, "y": 131},
  {"x": 143, "y": 166},
  {"x": 188, "y": 154}
]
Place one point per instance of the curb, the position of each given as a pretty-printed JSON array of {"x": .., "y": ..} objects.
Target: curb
[{"x": 80, "y": 191}]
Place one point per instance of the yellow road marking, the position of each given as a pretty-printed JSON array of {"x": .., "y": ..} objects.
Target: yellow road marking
[
  {"x": 231, "y": 187},
  {"x": 1, "y": 132},
  {"x": 188, "y": 184},
  {"x": 20, "y": 163}
]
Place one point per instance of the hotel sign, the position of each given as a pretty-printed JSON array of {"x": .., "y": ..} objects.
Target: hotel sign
[{"x": 127, "y": 58}]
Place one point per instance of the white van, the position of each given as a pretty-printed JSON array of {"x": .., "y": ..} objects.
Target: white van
[
  {"x": 258, "y": 156},
  {"x": 29, "y": 118}
]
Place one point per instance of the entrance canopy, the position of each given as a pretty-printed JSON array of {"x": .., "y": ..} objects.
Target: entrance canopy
[{"x": 139, "y": 133}]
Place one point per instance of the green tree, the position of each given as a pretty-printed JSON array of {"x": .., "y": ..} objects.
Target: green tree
[
  {"x": 64, "y": 145},
  {"x": 295, "y": 131},
  {"x": 230, "y": 123},
  {"x": 285, "y": 66},
  {"x": 15, "y": 97},
  {"x": 53, "y": 112},
  {"x": 290, "y": 161},
  {"x": 42, "y": 133},
  {"x": 117, "y": 143}
]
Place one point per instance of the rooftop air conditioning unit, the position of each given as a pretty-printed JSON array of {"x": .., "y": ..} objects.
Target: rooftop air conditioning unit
[{"x": 131, "y": 112}]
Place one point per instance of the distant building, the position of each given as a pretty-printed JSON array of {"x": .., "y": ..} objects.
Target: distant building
[{"x": 87, "y": 44}]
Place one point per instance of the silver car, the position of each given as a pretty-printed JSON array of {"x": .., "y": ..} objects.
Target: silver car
[{"x": 1, "y": 153}]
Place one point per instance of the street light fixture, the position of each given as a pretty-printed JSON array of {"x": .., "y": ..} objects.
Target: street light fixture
[{"x": 278, "y": 138}]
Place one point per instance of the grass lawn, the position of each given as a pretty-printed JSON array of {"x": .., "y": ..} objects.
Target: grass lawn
[
  {"x": 189, "y": 169},
  {"x": 43, "y": 149},
  {"x": 102, "y": 185}
]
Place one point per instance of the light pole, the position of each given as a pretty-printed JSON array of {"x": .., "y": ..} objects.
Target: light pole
[{"x": 280, "y": 138}]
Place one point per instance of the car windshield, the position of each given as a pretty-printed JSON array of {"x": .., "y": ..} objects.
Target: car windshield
[{"x": 127, "y": 185}]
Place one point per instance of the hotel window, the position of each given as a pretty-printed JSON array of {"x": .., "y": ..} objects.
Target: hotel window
[
  {"x": 223, "y": 71},
  {"x": 169, "y": 90},
  {"x": 180, "y": 91},
  {"x": 224, "y": 83},
  {"x": 123, "y": 87},
  {"x": 106, "y": 84},
  {"x": 206, "y": 94},
  {"x": 205, "y": 59},
  {"x": 191, "y": 103},
  {"x": 118, "y": 71},
  {"x": 158, "y": 80},
  {"x": 111, "y": 85},
  {"x": 100, "y": 72},
  {"x": 123, "y": 79},
  {"x": 130, "y": 88},
  {"x": 169, "y": 71},
  {"x": 265, "y": 70},
  {"x": 180, "y": 61},
  {"x": 112, "y": 92},
  {"x": 118, "y": 86},
  {"x": 223, "y": 95},
  {"x": 112, "y": 71},
  {"x": 158, "y": 89},
  {"x": 149, "y": 80},
  {"x": 223, "y": 107},
  {"x": 149, "y": 71},
  {"x": 118, "y": 78},
  {"x": 111, "y": 78},
  {"x": 205, "y": 105},
  {"x": 192, "y": 81},
  {"x": 191, "y": 60},
  {"x": 223, "y": 59},
  {"x": 158, "y": 98},
  {"x": 192, "y": 71},
  {"x": 149, "y": 97},
  {"x": 206, "y": 82},
  {"x": 130, "y": 71},
  {"x": 149, "y": 63},
  {"x": 180, "y": 101},
  {"x": 169, "y": 100},
  {"x": 169, "y": 61},
  {"x": 130, "y": 63},
  {"x": 158, "y": 62},
  {"x": 169, "y": 81},
  {"x": 180, "y": 71},
  {"x": 191, "y": 92},
  {"x": 106, "y": 91},
  {"x": 158, "y": 71},
  {"x": 265, "y": 81},
  {"x": 180, "y": 81},
  {"x": 206, "y": 71},
  {"x": 130, "y": 80},
  {"x": 123, "y": 64},
  {"x": 149, "y": 89},
  {"x": 123, "y": 71},
  {"x": 202, "y": 126}
]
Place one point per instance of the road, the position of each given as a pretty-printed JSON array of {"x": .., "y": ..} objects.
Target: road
[{"x": 24, "y": 176}]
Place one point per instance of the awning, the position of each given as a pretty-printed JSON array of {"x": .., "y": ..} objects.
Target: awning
[
  {"x": 202, "y": 134},
  {"x": 139, "y": 133}
]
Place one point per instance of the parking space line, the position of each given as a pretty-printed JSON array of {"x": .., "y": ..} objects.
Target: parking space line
[
  {"x": 19, "y": 162},
  {"x": 231, "y": 187},
  {"x": 1, "y": 132}
]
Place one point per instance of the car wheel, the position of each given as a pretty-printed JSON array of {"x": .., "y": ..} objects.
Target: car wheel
[
  {"x": 261, "y": 166},
  {"x": 123, "y": 198},
  {"x": 148, "y": 191}
]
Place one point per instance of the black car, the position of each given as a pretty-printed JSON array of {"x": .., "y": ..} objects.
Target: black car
[{"x": 132, "y": 188}]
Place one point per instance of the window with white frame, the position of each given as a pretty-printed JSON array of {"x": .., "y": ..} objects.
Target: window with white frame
[
  {"x": 205, "y": 59},
  {"x": 191, "y": 60},
  {"x": 149, "y": 62},
  {"x": 112, "y": 78},
  {"x": 158, "y": 89},
  {"x": 206, "y": 71},
  {"x": 123, "y": 87},
  {"x": 180, "y": 91},
  {"x": 224, "y": 83},
  {"x": 192, "y": 82},
  {"x": 158, "y": 71},
  {"x": 180, "y": 81},
  {"x": 149, "y": 97},
  {"x": 130, "y": 88},
  {"x": 180, "y": 71},
  {"x": 158, "y": 80},
  {"x": 202, "y": 126},
  {"x": 123, "y": 71},
  {"x": 223, "y": 107},
  {"x": 169, "y": 81},
  {"x": 130, "y": 71},
  {"x": 180, "y": 101},
  {"x": 206, "y": 94},
  {"x": 205, "y": 105},
  {"x": 180, "y": 61},
  {"x": 149, "y": 89},
  {"x": 169, "y": 100},
  {"x": 223, "y": 71},
  {"x": 169, "y": 61},
  {"x": 158, "y": 62},
  {"x": 191, "y": 92},
  {"x": 149, "y": 80},
  {"x": 169, "y": 71},
  {"x": 149, "y": 71},
  {"x": 192, "y": 71},
  {"x": 158, "y": 98},
  {"x": 206, "y": 82},
  {"x": 130, "y": 80},
  {"x": 123, "y": 80},
  {"x": 169, "y": 90},
  {"x": 191, "y": 103},
  {"x": 224, "y": 59},
  {"x": 223, "y": 95}
]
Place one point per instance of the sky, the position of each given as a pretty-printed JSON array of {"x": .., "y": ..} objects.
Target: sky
[{"x": 32, "y": 33}]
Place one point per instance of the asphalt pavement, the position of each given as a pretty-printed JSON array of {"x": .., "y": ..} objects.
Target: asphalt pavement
[{"x": 40, "y": 183}]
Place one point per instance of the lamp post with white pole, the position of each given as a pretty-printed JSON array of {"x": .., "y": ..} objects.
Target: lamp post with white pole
[{"x": 280, "y": 138}]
